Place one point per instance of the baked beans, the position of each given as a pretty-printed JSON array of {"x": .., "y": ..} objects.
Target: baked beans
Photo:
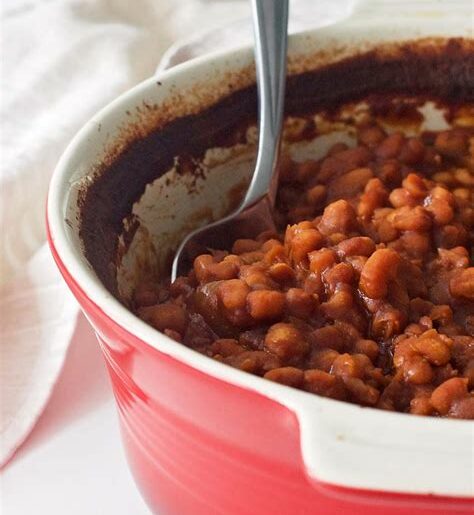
[{"x": 367, "y": 293}]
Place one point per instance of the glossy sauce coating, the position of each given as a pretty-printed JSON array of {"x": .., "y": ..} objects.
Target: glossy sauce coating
[{"x": 366, "y": 294}]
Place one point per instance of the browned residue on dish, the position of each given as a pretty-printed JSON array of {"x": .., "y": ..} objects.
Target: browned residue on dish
[
  {"x": 395, "y": 111},
  {"x": 130, "y": 227},
  {"x": 218, "y": 114}
]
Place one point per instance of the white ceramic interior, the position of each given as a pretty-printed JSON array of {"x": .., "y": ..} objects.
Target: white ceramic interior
[{"x": 342, "y": 443}]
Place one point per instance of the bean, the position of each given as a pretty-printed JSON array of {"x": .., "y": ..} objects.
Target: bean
[
  {"x": 446, "y": 393},
  {"x": 321, "y": 260},
  {"x": 266, "y": 304},
  {"x": 226, "y": 347},
  {"x": 316, "y": 195},
  {"x": 434, "y": 347},
  {"x": 303, "y": 243},
  {"x": 207, "y": 270},
  {"x": 361, "y": 392},
  {"x": 349, "y": 184},
  {"x": 255, "y": 362},
  {"x": 245, "y": 245},
  {"x": 322, "y": 383},
  {"x": 412, "y": 151},
  {"x": 232, "y": 298},
  {"x": 165, "y": 316},
  {"x": 371, "y": 136},
  {"x": 289, "y": 376},
  {"x": 328, "y": 336},
  {"x": 415, "y": 219},
  {"x": 463, "y": 408},
  {"x": 286, "y": 342},
  {"x": 145, "y": 294},
  {"x": 379, "y": 270},
  {"x": 375, "y": 195},
  {"x": 367, "y": 347},
  {"x": 391, "y": 146},
  {"x": 338, "y": 216},
  {"x": 415, "y": 185},
  {"x": 451, "y": 143},
  {"x": 462, "y": 284},
  {"x": 281, "y": 272},
  {"x": 299, "y": 303},
  {"x": 357, "y": 246},
  {"x": 323, "y": 359}
]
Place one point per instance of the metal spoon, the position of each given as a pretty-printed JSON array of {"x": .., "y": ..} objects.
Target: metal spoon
[{"x": 254, "y": 215}]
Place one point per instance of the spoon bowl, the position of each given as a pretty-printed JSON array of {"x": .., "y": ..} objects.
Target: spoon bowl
[{"x": 254, "y": 215}]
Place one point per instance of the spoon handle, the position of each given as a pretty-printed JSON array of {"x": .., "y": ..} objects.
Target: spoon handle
[{"x": 270, "y": 19}]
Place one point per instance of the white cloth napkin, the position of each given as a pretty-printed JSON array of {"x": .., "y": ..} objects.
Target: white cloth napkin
[{"x": 61, "y": 61}]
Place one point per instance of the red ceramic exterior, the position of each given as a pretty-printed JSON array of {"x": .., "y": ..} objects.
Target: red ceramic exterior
[{"x": 200, "y": 446}]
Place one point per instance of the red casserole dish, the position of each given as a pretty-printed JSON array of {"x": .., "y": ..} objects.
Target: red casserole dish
[{"x": 202, "y": 437}]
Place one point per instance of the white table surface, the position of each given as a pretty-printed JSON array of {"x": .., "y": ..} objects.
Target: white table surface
[{"x": 73, "y": 462}]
